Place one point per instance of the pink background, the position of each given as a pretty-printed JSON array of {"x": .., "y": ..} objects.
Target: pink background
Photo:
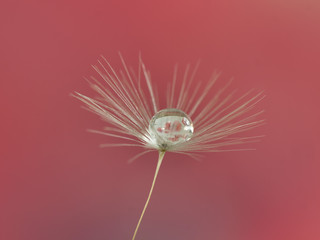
[{"x": 57, "y": 184}]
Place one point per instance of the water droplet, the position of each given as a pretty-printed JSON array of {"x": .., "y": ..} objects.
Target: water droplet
[{"x": 169, "y": 127}]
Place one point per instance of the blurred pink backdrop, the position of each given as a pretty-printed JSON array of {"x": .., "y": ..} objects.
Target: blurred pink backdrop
[{"x": 57, "y": 184}]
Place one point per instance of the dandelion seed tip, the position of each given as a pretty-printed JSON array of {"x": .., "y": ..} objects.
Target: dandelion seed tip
[
  {"x": 216, "y": 72},
  {"x": 91, "y": 130},
  {"x": 230, "y": 80},
  {"x": 264, "y": 95},
  {"x": 75, "y": 94}
]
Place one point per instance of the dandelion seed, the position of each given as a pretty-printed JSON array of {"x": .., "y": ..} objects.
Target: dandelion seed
[{"x": 182, "y": 126}]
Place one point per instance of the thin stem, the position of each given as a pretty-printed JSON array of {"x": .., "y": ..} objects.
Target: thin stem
[{"x": 161, "y": 155}]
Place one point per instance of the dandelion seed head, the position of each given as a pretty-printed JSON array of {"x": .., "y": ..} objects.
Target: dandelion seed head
[
  {"x": 169, "y": 127},
  {"x": 128, "y": 102}
]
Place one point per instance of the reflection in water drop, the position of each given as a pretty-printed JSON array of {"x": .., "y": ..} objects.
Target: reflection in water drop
[{"x": 169, "y": 127}]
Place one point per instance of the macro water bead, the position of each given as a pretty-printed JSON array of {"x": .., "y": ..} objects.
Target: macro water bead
[{"x": 169, "y": 127}]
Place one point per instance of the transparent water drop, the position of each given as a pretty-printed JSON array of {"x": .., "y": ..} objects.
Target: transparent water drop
[{"x": 169, "y": 127}]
